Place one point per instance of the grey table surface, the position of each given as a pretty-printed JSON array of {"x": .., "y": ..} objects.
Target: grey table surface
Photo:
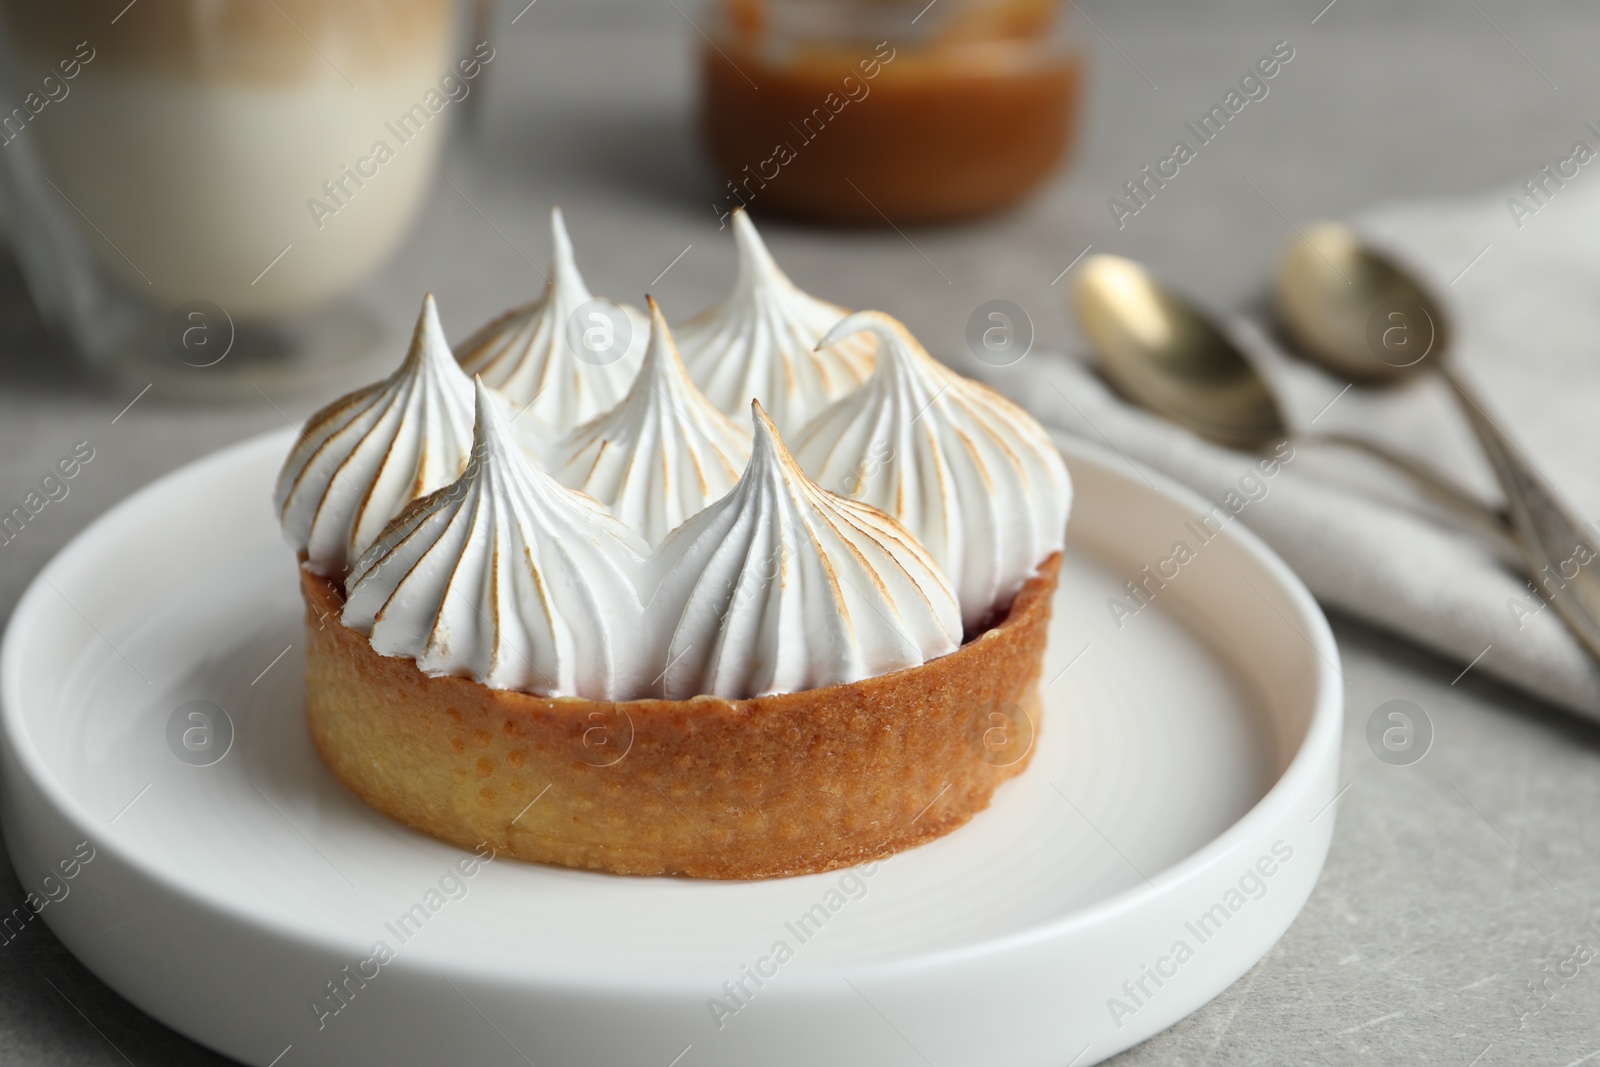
[{"x": 1452, "y": 884}]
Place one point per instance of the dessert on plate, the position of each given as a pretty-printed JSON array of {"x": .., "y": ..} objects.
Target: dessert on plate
[{"x": 677, "y": 637}]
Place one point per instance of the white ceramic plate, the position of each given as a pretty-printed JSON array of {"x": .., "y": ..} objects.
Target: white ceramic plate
[{"x": 1173, "y": 822}]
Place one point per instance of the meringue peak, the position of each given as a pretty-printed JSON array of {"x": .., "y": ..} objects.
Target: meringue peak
[
  {"x": 764, "y": 435},
  {"x": 759, "y": 343},
  {"x": 970, "y": 474},
  {"x": 757, "y": 268},
  {"x": 901, "y": 356},
  {"x": 662, "y": 377},
  {"x": 359, "y": 461},
  {"x": 770, "y": 457},
  {"x": 563, "y": 263},
  {"x": 429, "y": 352},
  {"x": 663, "y": 453},
  {"x": 781, "y": 586},
  {"x": 527, "y": 354},
  {"x": 507, "y": 577},
  {"x": 491, "y": 432}
]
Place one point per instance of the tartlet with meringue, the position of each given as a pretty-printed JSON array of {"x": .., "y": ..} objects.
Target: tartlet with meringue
[{"x": 677, "y": 635}]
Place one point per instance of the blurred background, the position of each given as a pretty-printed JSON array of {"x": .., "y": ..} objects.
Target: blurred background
[
  {"x": 599, "y": 107},
  {"x": 602, "y": 108},
  {"x": 633, "y": 116}
]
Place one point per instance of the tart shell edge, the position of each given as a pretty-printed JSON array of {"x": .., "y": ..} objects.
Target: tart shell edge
[{"x": 795, "y": 783}]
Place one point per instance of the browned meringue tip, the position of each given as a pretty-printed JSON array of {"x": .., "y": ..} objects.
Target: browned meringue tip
[{"x": 763, "y": 421}]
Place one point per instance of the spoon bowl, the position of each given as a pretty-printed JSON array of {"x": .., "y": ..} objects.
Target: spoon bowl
[
  {"x": 1355, "y": 311},
  {"x": 1166, "y": 355}
]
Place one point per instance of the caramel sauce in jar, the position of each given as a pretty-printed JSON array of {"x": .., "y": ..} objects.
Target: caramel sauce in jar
[{"x": 865, "y": 111}]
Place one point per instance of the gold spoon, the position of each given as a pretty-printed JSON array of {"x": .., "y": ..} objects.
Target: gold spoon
[
  {"x": 1165, "y": 354},
  {"x": 1354, "y": 310}
]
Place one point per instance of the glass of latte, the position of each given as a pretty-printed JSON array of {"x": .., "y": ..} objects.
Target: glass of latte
[{"x": 202, "y": 183}]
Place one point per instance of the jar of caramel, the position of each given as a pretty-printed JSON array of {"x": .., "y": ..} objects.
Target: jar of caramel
[{"x": 900, "y": 111}]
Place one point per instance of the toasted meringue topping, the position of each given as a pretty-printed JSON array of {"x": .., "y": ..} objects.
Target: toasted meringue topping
[
  {"x": 969, "y": 473},
  {"x": 760, "y": 343},
  {"x": 363, "y": 458},
  {"x": 527, "y": 354},
  {"x": 662, "y": 454},
  {"x": 507, "y": 577},
  {"x": 781, "y": 586}
]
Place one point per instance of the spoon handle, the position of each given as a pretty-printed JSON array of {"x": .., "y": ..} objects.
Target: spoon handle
[
  {"x": 1560, "y": 556},
  {"x": 1486, "y": 522}
]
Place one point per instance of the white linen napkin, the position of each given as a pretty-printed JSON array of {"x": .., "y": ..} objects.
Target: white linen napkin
[{"x": 1524, "y": 302}]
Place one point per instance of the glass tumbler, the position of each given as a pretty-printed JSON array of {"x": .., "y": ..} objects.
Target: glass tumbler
[{"x": 197, "y": 184}]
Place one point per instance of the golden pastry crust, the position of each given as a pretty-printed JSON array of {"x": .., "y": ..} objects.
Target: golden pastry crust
[{"x": 796, "y": 783}]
